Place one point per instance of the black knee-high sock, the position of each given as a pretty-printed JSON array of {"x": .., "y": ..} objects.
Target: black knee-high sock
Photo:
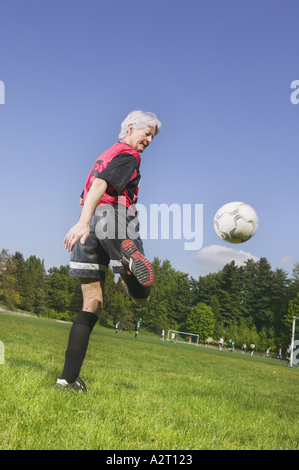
[{"x": 77, "y": 345}]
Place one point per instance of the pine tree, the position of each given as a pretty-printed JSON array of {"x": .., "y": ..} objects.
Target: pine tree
[
  {"x": 35, "y": 270},
  {"x": 230, "y": 293},
  {"x": 9, "y": 291},
  {"x": 25, "y": 286}
]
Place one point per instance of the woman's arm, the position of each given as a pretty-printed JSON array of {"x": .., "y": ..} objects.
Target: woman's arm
[{"x": 80, "y": 231}]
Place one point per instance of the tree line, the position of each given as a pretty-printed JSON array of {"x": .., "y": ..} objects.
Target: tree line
[{"x": 250, "y": 303}]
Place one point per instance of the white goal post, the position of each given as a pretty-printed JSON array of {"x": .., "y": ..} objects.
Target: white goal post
[
  {"x": 294, "y": 359},
  {"x": 182, "y": 337}
]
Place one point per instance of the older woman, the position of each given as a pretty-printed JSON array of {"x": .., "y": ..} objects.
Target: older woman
[{"x": 104, "y": 237}]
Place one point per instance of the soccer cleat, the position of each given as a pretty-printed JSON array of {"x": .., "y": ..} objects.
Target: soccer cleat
[
  {"x": 136, "y": 263},
  {"x": 77, "y": 386}
]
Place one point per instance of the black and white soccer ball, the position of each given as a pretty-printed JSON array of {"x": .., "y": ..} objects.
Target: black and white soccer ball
[{"x": 235, "y": 222}]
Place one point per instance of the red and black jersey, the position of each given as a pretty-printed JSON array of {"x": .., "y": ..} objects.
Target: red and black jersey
[{"x": 119, "y": 167}]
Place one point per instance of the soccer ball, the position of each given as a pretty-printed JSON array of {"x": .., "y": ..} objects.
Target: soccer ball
[{"x": 235, "y": 222}]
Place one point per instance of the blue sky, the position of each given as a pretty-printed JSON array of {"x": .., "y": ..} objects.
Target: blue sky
[{"x": 218, "y": 75}]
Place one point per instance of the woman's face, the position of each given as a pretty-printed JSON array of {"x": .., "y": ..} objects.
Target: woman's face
[{"x": 139, "y": 139}]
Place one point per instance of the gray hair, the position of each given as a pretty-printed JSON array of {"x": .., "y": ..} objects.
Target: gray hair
[{"x": 139, "y": 120}]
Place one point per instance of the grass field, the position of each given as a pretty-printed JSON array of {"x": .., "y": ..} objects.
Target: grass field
[{"x": 142, "y": 394}]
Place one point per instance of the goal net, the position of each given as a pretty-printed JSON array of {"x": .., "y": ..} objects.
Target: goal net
[
  {"x": 182, "y": 337},
  {"x": 294, "y": 359}
]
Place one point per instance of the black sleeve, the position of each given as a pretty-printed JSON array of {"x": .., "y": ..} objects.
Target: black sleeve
[{"x": 119, "y": 171}]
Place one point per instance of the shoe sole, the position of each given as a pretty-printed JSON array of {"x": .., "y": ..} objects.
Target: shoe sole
[{"x": 137, "y": 264}]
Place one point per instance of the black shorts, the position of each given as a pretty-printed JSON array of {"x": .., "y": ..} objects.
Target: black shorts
[{"x": 109, "y": 226}]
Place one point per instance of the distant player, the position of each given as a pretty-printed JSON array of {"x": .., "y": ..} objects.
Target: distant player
[
  {"x": 288, "y": 355},
  {"x": 220, "y": 344},
  {"x": 231, "y": 345},
  {"x": 137, "y": 327}
]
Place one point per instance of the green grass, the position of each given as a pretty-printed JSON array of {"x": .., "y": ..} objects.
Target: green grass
[{"x": 142, "y": 394}]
